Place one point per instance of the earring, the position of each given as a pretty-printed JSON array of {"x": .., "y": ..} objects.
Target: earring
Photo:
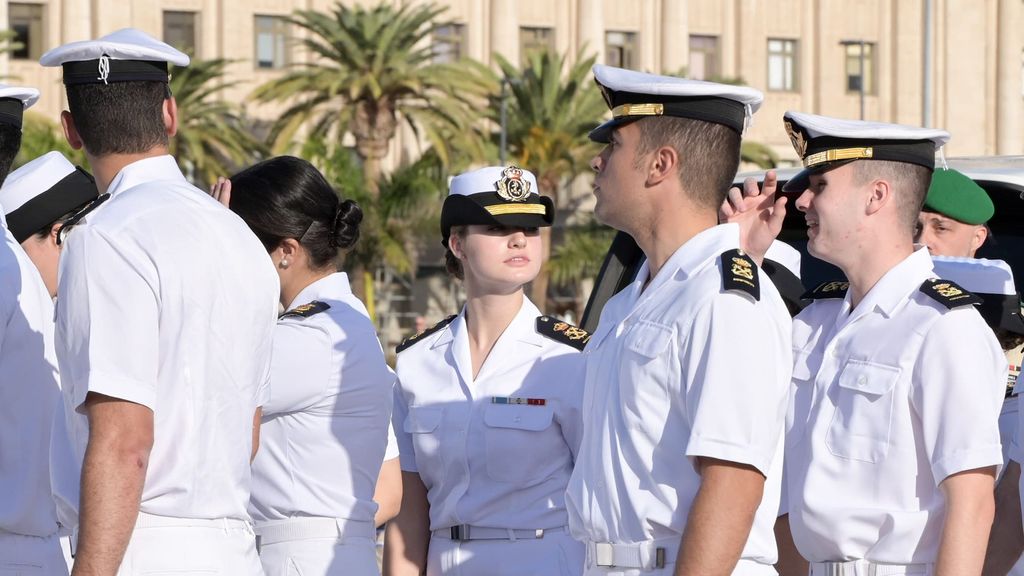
[{"x": 284, "y": 263}]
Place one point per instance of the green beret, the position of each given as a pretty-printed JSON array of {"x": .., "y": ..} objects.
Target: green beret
[{"x": 955, "y": 195}]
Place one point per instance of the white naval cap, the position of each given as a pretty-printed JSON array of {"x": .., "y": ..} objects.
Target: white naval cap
[
  {"x": 633, "y": 95},
  {"x": 503, "y": 195},
  {"x": 992, "y": 281},
  {"x": 823, "y": 143},
  {"x": 42, "y": 191},
  {"x": 782, "y": 264},
  {"x": 128, "y": 55},
  {"x": 14, "y": 100}
]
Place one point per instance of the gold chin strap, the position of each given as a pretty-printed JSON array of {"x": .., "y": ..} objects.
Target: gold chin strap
[
  {"x": 838, "y": 154},
  {"x": 638, "y": 110},
  {"x": 501, "y": 209}
]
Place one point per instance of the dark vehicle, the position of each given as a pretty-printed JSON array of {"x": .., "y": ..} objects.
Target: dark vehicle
[{"x": 1001, "y": 176}]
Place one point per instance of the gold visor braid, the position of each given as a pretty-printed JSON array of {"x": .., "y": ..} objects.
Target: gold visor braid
[
  {"x": 502, "y": 209},
  {"x": 638, "y": 110},
  {"x": 837, "y": 154}
]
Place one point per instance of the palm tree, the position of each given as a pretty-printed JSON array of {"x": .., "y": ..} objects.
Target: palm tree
[
  {"x": 212, "y": 138},
  {"x": 551, "y": 105},
  {"x": 374, "y": 68}
]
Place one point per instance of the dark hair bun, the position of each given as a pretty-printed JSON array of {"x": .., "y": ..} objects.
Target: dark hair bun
[{"x": 345, "y": 231}]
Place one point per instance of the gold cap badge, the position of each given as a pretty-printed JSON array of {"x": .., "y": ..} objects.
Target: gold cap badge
[
  {"x": 797, "y": 138},
  {"x": 512, "y": 187}
]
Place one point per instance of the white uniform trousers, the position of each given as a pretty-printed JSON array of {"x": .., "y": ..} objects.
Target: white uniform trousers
[
  {"x": 31, "y": 556},
  {"x": 556, "y": 554},
  {"x": 318, "y": 547},
  {"x": 184, "y": 546}
]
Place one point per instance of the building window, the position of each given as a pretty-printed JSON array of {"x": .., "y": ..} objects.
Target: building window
[
  {"x": 704, "y": 57},
  {"x": 26, "y": 21},
  {"x": 533, "y": 40},
  {"x": 782, "y": 65},
  {"x": 449, "y": 42},
  {"x": 180, "y": 30},
  {"x": 620, "y": 49},
  {"x": 271, "y": 42},
  {"x": 855, "y": 77}
]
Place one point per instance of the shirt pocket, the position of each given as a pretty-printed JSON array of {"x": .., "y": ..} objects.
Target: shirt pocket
[
  {"x": 649, "y": 339},
  {"x": 862, "y": 424},
  {"x": 518, "y": 442},
  {"x": 422, "y": 423}
]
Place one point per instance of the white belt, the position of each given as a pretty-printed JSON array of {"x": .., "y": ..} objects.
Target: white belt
[
  {"x": 866, "y": 568},
  {"x": 465, "y": 532},
  {"x": 314, "y": 527},
  {"x": 647, "y": 555},
  {"x": 146, "y": 520}
]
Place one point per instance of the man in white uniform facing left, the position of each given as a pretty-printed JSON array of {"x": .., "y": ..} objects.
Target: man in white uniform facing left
[
  {"x": 680, "y": 465},
  {"x": 166, "y": 305}
]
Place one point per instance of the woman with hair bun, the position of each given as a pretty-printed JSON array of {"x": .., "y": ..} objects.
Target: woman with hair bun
[{"x": 325, "y": 429}]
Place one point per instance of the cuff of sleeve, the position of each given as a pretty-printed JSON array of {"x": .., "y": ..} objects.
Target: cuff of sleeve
[
  {"x": 962, "y": 460},
  {"x": 118, "y": 387},
  {"x": 708, "y": 448}
]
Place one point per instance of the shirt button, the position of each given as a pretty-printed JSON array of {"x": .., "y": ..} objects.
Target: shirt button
[
  {"x": 517, "y": 419},
  {"x": 862, "y": 380}
]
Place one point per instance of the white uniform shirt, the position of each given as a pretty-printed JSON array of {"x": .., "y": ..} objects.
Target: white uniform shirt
[
  {"x": 889, "y": 399},
  {"x": 168, "y": 300},
  {"x": 488, "y": 464},
  {"x": 325, "y": 426},
  {"x": 676, "y": 371},
  {"x": 29, "y": 393}
]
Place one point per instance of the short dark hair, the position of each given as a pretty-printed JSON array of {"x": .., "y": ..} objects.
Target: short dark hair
[
  {"x": 45, "y": 230},
  {"x": 709, "y": 154},
  {"x": 452, "y": 264},
  {"x": 120, "y": 117},
  {"x": 287, "y": 197},
  {"x": 10, "y": 143},
  {"x": 910, "y": 184}
]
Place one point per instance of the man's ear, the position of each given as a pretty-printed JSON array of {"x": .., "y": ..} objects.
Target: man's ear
[
  {"x": 979, "y": 237},
  {"x": 67, "y": 122},
  {"x": 880, "y": 195},
  {"x": 171, "y": 116},
  {"x": 663, "y": 163}
]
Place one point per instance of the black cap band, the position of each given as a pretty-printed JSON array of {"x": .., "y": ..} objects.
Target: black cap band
[
  {"x": 490, "y": 208},
  {"x": 90, "y": 71},
  {"x": 11, "y": 111},
  {"x": 70, "y": 193}
]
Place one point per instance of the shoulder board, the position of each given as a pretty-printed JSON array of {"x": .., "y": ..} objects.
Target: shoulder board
[
  {"x": 306, "y": 310},
  {"x": 739, "y": 273},
  {"x": 948, "y": 293},
  {"x": 562, "y": 332},
  {"x": 417, "y": 337},
  {"x": 825, "y": 290}
]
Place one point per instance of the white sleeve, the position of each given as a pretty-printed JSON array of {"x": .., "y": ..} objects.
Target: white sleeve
[
  {"x": 392, "y": 450},
  {"x": 300, "y": 367}
]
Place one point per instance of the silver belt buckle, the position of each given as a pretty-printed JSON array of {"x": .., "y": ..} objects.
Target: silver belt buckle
[
  {"x": 604, "y": 554},
  {"x": 460, "y": 533}
]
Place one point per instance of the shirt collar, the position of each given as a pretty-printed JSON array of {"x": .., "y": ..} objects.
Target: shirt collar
[
  {"x": 146, "y": 170},
  {"x": 694, "y": 255},
  {"x": 332, "y": 287},
  {"x": 896, "y": 285}
]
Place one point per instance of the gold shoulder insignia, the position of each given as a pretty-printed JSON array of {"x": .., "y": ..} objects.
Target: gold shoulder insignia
[
  {"x": 825, "y": 290},
  {"x": 948, "y": 293},
  {"x": 562, "y": 332},
  {"x": 739, "y": 273},
  {"x": 306, "y": 310},
  {"x": 417, "y": 337}
]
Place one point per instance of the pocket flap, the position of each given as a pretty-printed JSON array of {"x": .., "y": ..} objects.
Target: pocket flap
[
  {"x": 422, "y": 419},
  {"x": 518, "y": 417},
  {"x": 868, "y": 378},
  {"x": 649, "y": 339}
]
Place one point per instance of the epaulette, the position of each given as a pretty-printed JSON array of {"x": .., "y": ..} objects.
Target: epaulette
[
  {"x": 825, "y": 290},
  {"x": 739, "y": 273},
  {"x": 417, "y": 337},
  {"x": 306, "y": 310},
  {"x": 562, "y": 332},
  {"x": 948, "y": 293}
]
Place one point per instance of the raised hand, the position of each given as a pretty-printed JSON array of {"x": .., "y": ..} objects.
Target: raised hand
[
  {"x": 758, "y": 212},
  {"x": 221, "y": 190}
]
